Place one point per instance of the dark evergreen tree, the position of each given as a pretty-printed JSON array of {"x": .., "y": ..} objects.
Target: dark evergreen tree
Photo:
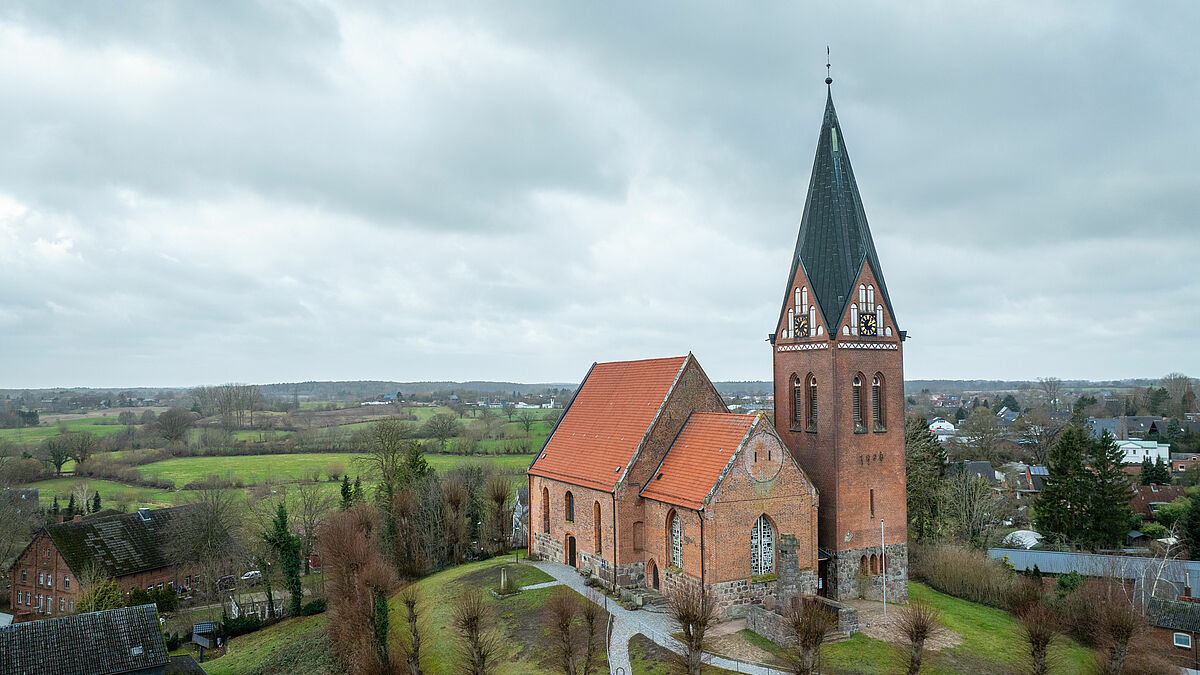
[
  {"x": 1146, "y": 475},
  {"x": 358, "y": 490},
  {"x": 347, "y": 493},
  {"x": 1060, "y": 509},
  {"x": 1108, "y": 511},
  {"x": 56, "y": 506},
  {"x": 960, "y": 415},
  {"x": 1189, "y": 529},
  {"x": 96, "y": 502},
  {"x": 415, "y": 465},
  {"x": 925, "y": 468},
  {"x": 287, "y": 548},
  {"x": 1162, "y": 472},
  {"x": 71, "y": 506}
]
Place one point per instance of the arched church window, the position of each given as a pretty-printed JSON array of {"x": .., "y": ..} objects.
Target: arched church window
[
  {"x": 762, "y": 547},
  {"x": 866, "y": 316},
  {"x": 569, "y": 511},
  {"x": 878, "y": 315},
  {"x": 854, "y": 319},
  {"x": 788, "y": 331},
  {"x": 812, "y": 402},
  {"x": 545, "y": 509},
  {"x": 596, "y": 525},
  {"x": 797, "y": 401},
  {"x": 858, "y": 415},
  {"x": 877, "y": 402},
  {"x": 676, "y": 541}
]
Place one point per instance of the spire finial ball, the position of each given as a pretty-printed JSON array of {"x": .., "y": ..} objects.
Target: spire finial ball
[{"x": 829, "y": 80}]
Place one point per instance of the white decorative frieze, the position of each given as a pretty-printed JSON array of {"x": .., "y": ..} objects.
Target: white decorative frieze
[
  {"x": 868, "y": 345},
  {"x": 802, "y": 347}
]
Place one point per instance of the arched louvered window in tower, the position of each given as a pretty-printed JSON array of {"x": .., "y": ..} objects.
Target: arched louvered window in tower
[
  {"x": 812, "y": 402},
  {"x": 797, "y": 402},
  {"x": 762, "y": 547},
  {"x": 877, "y": 402},
  {"x": 858, "y": 413}
]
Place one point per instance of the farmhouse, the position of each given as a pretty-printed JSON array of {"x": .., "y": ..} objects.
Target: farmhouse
[
  {"x": 127, "y": 640},
  {"x": 648, "y": 480},
  {"x": 130, "y": 548}
]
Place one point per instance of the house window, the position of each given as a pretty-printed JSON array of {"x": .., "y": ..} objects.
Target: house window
[
  {"x": 596, "y": 525},
  {"x": 72, "y": 605},
  {"x": 812, "y": 402},
  {"x": 49, "y": 579},
  {"x": 858, "y": 416},
  {"x": 877, "y": 402},
  {"x": 67, "y": 581},
  {"x": 41, "y": 578},
  {"x": 24, "y": 576},
  {"x": 762, "y": 547},
  {"x": 546, "y": 510},
  {"x": 62, "y": 604},
  {"x": 676, "y": 541},
  {"x": 1183, "y": 640},
  {"x": 570, "y": 507}
]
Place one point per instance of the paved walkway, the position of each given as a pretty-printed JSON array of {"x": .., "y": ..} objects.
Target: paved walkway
[{"x": 627, "y": 623}]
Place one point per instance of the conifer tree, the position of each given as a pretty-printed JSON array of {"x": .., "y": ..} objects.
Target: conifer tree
[
  {"x": 56, "y": 506},
  {"x": 925, "y": 467},
  {"x": 1162, "y": 472},
  {"x": 1060, "y": 509},
  {"x": 1146, "y": 475},
  {"x": 347, "y": 493},
  {"x": 96, "y": 503},
  {"x": 1108, "y": 505},
  {"x": 358, "y": 490},
  {"x": 1190, "y": 529},
  {"x": 287, "y": 547},
  {"x": 71, "y": 505}
]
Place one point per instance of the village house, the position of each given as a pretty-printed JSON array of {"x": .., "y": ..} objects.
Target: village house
[
  {"x": 127, "y": 641},
  {"x": 130, "y": 548}
]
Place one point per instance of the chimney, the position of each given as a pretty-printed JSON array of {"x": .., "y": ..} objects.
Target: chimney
[{"x": 77, "y": 519}]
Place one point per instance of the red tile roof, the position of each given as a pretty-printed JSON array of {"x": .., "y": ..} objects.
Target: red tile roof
[
  {"x": 695, "y": 461},
  {"x": 605, "y": 424}
]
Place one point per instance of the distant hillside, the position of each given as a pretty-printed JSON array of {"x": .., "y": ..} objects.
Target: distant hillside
[
  {"x": 955, "y": 386},
  {"x": 347, "y": 390}
]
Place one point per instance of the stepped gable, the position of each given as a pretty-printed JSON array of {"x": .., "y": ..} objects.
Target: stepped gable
[
  {"x": 698, "y": 458},
  {"x": 603, "y": 427}
]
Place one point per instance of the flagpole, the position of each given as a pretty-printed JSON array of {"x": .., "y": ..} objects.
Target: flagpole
[{"x": 883, "y": 565}]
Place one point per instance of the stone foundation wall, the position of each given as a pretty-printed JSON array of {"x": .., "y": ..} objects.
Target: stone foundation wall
[
  {"x": 774, "y": 626},
  {"x": 846, "y": 581},
  {"x": 548, "y": 548}
]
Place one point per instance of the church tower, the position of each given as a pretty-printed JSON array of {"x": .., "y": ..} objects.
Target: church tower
[{"x": 839, "y": 383}]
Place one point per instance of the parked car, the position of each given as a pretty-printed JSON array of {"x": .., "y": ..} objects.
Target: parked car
[{"x": 252, "y": 577}]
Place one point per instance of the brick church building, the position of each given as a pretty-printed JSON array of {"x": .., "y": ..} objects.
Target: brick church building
[{"x": 648, "y": 479}]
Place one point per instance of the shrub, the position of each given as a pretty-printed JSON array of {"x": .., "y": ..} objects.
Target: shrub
[
  {"x": 969, "y": 575},
  {"x": 1068, "y": 583},
  {"x": 240, "y": 626},
  {"x": 313, "y": 607}
]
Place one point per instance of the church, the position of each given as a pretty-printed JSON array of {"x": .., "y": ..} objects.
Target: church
[{"x": 649, "y": 481}]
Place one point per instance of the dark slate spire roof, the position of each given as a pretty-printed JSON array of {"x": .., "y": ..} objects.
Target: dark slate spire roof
[{"x": 834, "y": 238}]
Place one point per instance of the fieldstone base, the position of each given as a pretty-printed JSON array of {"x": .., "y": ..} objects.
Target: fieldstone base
[
  {"x": 847, "y": 580},
  {"x": 774, "y": 625}
]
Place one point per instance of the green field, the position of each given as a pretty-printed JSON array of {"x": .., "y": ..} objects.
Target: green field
[
  {"x": 300, "y": 645},
  {"x": 101, "y": 426},
  {"x": 292, "y": 467},
  {"x": 110, "y": 493}
]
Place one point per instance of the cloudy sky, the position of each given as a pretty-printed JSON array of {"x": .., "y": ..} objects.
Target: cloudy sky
[{"x": 200, "y": 192}]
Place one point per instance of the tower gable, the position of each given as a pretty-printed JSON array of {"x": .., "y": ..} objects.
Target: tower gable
[
  {"x": 800, "y": 317},
  {"x": 867, "y": 313}
]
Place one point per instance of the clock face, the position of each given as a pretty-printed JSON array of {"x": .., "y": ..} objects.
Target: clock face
[
  {"x": 800, "y": 325},
  {"x": 866, "y": 325}
]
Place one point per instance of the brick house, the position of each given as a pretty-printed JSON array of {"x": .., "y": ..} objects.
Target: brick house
[
  {"x": 1175, "y": 626},
  {"x": 649, "y": 481},
  {"x": 129, "y": 548}
]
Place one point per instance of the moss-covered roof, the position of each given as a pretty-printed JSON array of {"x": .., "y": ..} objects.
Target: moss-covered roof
[
  {"x": 126, "y": 640},
  {"x": 117, "y": 545}
]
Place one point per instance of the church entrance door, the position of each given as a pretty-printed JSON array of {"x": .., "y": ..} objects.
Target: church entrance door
[
  {"x": 653, "y": 574},
  {"x": 571, "y": 551}
]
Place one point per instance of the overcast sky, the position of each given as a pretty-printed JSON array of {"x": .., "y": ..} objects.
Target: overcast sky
[{"x": 201, "y": 192}]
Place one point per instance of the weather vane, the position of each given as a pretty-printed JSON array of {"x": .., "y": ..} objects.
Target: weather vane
[{"x": 828, "y": 77}]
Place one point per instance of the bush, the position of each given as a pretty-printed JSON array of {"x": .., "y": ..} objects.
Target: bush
[
  {"x": 240, "y": 626},
  {"x": 1068, "y": 583},
  {"x": 969, "y": 575},
  {"x": 173, "y": 641},
  {"x": 1154, "y": 530},
  {"x": 166, "y": 599},
  {"x": 314, "y": 607}
]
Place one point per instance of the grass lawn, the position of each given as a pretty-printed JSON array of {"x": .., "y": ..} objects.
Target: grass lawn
[
  {"x": 991, "y": 643},
  {"x": 110, "y": 493},
  {"x": 101, "y": 426},
  {"x": 647, "y": 658},
  {"x": 291, "y": 467},
  {"x": 301, "y": 645}
]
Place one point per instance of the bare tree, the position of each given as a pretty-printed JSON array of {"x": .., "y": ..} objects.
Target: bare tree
[
  {"x": 471, "y": 618},
  {"x": 361, "y": 582},
  {"x": 411, "y": 648},
  {"x": 509, "y": 409},
  {"x": 593, "y": 631},
  {"x": 174, "y": 423},
  {"x": 55, "y": 452},
  {"x": 1183, "y": 396},
  {"x": 443, "y": 427},
  {"x": 1039, "y": 627},
  {"x": 1120, "y": 623},
  {"x": 693, "y": 609},
  {"x": 455, "y": 495},
  {"x": 560, "y": 619},
  {"x": 809, "y": 625},
  {"x": 1040, "y": 432},
  {"x": 208, "y": 536},
  {"x": 385, "y": 453},
  {"x": 971, "y": 505},
  {"x": 310, "y": 506},
  {"x": 527, "y": 419},
  {"x": 1052, "y": 388},
  {"x": 917, "y": 623},
  {"x": 81, "y": 445},
  {"x": 982, "y": 433},
  {"x": 497, "y": 491},
  {"x": 82, "y": 491}
]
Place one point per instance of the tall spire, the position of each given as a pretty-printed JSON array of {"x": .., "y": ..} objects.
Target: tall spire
[{"x": 834, "y": 238}]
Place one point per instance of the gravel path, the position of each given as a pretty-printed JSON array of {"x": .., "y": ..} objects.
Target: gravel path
[{"x": 627, "y": 623}]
